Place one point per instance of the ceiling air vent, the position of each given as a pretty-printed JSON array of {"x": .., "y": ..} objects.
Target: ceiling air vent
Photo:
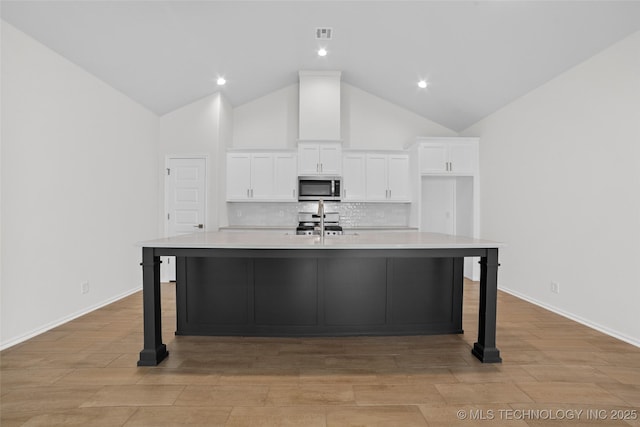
[{"x": 323, "y": 33}]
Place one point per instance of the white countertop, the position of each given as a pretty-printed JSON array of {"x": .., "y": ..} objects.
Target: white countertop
[
  {"x": 270, "y": 240},
  {"x": 285, "y": 228}
]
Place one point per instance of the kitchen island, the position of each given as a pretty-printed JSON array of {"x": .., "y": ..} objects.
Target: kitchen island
[{"x": 266, "y": 284}]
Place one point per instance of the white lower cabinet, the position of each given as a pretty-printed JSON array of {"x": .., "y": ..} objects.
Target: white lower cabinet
[{"x": 261, "y": 176}]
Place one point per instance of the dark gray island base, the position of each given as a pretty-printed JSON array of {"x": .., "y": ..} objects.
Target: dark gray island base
[{"x": 318, "y": 292}]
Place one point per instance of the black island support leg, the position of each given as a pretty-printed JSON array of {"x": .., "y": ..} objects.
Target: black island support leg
[
  {"x": 485, "y": 349},
  {"x": 154, "y": 350}
]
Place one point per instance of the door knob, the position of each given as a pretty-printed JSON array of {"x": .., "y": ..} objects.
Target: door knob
[{"x": 199, "y": 226}]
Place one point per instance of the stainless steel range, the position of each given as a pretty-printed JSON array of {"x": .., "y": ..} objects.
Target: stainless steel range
[{"x": 309, "y": 224}]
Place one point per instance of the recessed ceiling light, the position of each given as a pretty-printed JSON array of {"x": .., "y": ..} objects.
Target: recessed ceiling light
[
  {"x": 422, "y": 84},
  {"x": 221, "y": 81},
  {"x": 322, "y": 52}
]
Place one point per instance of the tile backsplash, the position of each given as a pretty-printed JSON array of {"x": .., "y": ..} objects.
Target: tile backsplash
[{"x": 352, "y": 214}]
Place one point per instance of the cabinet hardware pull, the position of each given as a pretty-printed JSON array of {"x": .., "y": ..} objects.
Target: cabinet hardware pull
[{"x": 248, "y": 193}]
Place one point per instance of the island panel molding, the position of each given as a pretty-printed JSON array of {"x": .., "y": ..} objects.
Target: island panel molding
[{"x": 261, "y": 284}]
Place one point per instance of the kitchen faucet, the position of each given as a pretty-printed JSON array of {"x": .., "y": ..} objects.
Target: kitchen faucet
[{"x": 321, "y": 215}]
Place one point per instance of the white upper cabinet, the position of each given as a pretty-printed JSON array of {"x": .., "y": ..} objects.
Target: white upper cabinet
[
  {"x": 448, "y": 156},
  {"x": 387, "y": 177},
  {"x": 463, "y": 157},
  {"x": 319, "y": 158},
  {"x": 354, "y": 177},
  {"x": 398, "y": 178},
  {"x": 308, "y": 159},
  {"x": 261, "y": 176},
  {"x": 434, "y": 157},
  {"x": 238, "y": 176},
  {"x": 286, "y": 177},
  {"x": 319, "y": 106},
  {"x": 330, "y": 158},
  {"x": 377, "y": 188}
]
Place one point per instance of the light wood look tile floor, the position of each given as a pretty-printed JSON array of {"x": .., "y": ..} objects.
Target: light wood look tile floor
[{"x": 84, "y": 373}]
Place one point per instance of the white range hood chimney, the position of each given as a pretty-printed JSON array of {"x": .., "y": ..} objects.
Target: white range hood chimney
[{"x": 319, "y": 118}]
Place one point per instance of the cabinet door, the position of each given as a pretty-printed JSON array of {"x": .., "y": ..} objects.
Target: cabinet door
[
  {"x": 261, "y": 176},
  {"x": 238, "y": 176},
  {"x": 354, "y": 177},
  {"x": 285, "y": 177},
  {"x": 330, "y": 159},
  {"x": 463, "y": 158},
  {"x": 377, "y": 177},
  {"x": 433, "y": 158},
  {"x": 398, "y": 177},
  {"x": 308, "y": 158}
]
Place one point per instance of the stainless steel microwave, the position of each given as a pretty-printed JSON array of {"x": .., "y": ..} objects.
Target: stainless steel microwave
[{"x": 319, "y": 187}]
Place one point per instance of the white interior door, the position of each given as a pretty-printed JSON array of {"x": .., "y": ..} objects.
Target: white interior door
[
  {"x": 438, "y": 205},
  {"x": 185, "y": 202}
]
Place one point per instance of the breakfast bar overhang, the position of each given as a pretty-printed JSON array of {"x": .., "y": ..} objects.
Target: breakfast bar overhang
[{"x": 269, "y": 284}]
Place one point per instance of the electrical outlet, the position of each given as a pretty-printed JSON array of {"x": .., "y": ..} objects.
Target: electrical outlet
[
  {"x": 84, "y": 288},
  {"x": 555, "y": 287}
]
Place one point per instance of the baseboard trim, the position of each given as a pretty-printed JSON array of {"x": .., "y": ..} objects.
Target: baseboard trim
[
  {"x": 571, "y": 316},
  {"x": 65, "y": 319}
]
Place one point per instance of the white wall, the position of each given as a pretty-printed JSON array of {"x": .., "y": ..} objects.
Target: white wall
[
  {"x": 370, "y": 122},
  {"x": 225, "y": 140},
  {"x": 367, "y": 122},
  {"x": 560, "y": 173},
  {"x": 270, "y": 121},
  {"x": 192, "y": 130},
  {"x": 79, "y": 188}
]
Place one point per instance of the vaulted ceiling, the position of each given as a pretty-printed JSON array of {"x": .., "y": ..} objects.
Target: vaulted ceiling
[{"x": 476, "y": 55}]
